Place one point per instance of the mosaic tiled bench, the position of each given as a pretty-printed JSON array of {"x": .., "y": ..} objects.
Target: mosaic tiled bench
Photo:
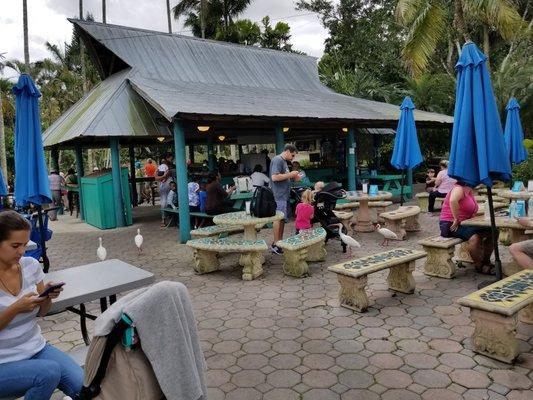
[
  {"x": 381, "y": 207},
  {"x": 440, "y": 252},
  {"x": 352, "y": 275},
  {"x": 216, "y": 230},
  {"x": 308, "y": 245},
  {"x": 405, "y": 218},
  {"x": 494, "y": 311},
  {"x": 251, "y": 259}
]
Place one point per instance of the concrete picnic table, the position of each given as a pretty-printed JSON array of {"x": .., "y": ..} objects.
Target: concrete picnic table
[
  {"x": 509, "y": 194},
  {"x": 95, "y": 281},
  {"x": 248, "y": 222},
  {"x": 517, "y": 230},
  {"x": 363, "y": 222}
]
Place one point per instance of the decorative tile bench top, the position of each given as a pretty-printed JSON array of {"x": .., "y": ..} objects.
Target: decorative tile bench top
[
  {"x": 504, "y": 297},
  {"x": 380, "y": 203},
  {"x": 227, "y": 244},
  {"x": 401, "y": 212},
  {"x": 216, "y": 229},
  {"x": 241, "y": 218},
  {"x": 440, "y": 242},
  {"x": 376, "y": 262},
  {"x": 303, "y": 239},
  {"x": 347, "y": 206}
]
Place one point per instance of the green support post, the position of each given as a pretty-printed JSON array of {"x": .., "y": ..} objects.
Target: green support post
[
  {"x": 117, "y": 183},
  {"x": 80, "y": 172},
  {"x": 210, "y": 153},
  {"x": 410, "y": 183},
  {"x": 351, "y": 159},
  {"x": 134, "y": 195},
  {"x": 280, "y": 140},
  {"x": 181, "y": 178}
]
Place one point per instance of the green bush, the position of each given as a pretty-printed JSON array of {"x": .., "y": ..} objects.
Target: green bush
[{"x": 524, "y": 171}]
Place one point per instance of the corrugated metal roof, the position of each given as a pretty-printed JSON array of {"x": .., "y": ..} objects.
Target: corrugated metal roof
[{"x": 111, "y": 108}]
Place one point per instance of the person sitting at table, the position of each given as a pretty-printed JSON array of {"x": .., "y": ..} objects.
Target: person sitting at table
[
  {"x": 522, "y": 252},
  {"x": 258, "y": 178},
  {"x": 458, "y": 206},
  {"x": 29, "y": 366},
  {"x": 217, "y": 201},
  {"x": 430, "y": 180},
  {"x": 443, "y": 185}
]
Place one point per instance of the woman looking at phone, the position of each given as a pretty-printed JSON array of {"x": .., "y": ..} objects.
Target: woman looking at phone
[{"x": 29, "y": 366}]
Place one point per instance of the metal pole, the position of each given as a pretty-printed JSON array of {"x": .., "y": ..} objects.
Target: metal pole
[
  {"x": 117, "y": 182},
  {"x": 350, "y": 154},
  {"x": 79, "y": 170},
  {"x": 42, "y": 242},
  {"x": 410, "y": 182},
  {"x": 494, "y": 238},
  {"x": 134, "y": 199},
  {"x": 168, "y": 17},
  {"x": 181, "y": 178},
  {"x": 280, "y": 140}
]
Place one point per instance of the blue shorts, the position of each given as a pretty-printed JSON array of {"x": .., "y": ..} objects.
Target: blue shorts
[
  {"x": 463, "y": 232},
  {"x": 283, "y": 206}
]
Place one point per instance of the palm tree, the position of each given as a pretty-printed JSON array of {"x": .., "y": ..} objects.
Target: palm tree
[
  {"x": 199, "y": 7},
  {"x": 25, "y": 28},
  {"x": 3, "y": 158},
  {"x": 428, "y": 22},
  {"x": 104, "y": 11},
  {"x": 168, "y": 17}
]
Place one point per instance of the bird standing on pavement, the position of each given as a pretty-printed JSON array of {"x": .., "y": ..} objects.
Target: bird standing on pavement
[
  {"x": 101, "y": 252},
  {"x": 348, "y": 240},
  {"x": 139, "y": 241},
  {"x": 387, "y": 235}
]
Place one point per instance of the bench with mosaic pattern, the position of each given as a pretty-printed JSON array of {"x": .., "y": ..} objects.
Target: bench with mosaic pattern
[
  {"x": 402, "y": 220},
  {"x": 307, "y": 245},
  {"x": 206, "y": 250},
  {"x": 440, "y": 252},
  {"x": 216, "y": 230},
  {"x": 352, "y": 275},
  {"x": 494, "y": 311}
]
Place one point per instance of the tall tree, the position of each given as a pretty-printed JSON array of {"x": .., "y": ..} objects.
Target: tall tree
[
  {"x": 25, "y": 29},
  {"x": 104, "y": 7},
  {"x": 3, "y": 158},
  {"x": 169, "y": 19}
]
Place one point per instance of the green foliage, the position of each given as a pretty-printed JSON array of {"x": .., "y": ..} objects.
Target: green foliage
[{"x": 524, "y": 171}]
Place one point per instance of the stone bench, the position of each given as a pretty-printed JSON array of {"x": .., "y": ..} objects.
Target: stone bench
[
  {"x": 346, "y": 206},
  {"x": 346, "y": 218},
  {"x": 307, "y": 245},
  {"x": 494, "y": 311},
  {"x": 216, "y": 230},
  {"x": 381, "y": 207},
  {"x": 440, "y": 252},
  {"x": 423, "y": 201},
  {"x": 206, "y": 250},
  {"x": 402, "y": 220},
  {"x": 352, "y": 275}
]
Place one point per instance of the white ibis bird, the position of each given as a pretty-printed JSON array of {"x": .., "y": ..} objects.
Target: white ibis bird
[
  {"x": 139, "y": 241},
  {"x": 348, "y": 240},
  {"x": 101, "y": 252},
  {"x": 387, "y": 235}
]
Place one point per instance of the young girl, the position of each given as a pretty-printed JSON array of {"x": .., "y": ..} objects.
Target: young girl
[
  {"x": 29, "y": 366},
  {"x": 304, "y": 212}
]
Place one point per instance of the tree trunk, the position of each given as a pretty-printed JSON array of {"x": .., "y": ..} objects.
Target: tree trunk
[
  {"x": 3, "y": 159},
  {"x": 103, "y": 11},
  {"x": 459, "y": 20},
  {"x": 168, "y": 17},
  {"x": 25, "y": 28},
  {"x": 202, "y": 17},
  {"x": 486, "y": 44},
  {"x": 82, "y": 55}
]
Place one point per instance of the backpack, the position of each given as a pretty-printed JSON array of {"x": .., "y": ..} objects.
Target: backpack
[{"x": 263, "y": 203}]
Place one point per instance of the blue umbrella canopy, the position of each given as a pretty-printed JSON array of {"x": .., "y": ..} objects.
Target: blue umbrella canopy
[
  {"x": 31, "y": 175},
  {"x": 478, "y": 153},
  {"x": 513, "y": 134},
  {"x": 406, "y": 154},
  {"x": 3, "y": 188}
]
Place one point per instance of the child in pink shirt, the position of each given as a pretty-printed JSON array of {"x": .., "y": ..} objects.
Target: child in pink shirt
[{"x": 304, "y": 212}]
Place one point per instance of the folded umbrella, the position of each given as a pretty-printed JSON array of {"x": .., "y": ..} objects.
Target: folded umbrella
[
  {"x": 513, "y": 134},
  {"x": 3, "y": 188}
]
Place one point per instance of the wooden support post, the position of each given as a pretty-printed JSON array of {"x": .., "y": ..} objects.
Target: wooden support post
[{"x": 117, "y": 182}]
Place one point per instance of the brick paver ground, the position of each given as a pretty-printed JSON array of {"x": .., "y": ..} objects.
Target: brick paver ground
[{"x": 284, "y": 338}]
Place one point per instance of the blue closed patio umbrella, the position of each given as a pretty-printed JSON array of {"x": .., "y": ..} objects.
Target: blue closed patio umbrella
[
  {"x": 31, "y": 175},
  {"x": 513, "y": 134},
  {"x": 406, "y": 153},
  {"x": 478, "y": 153},
  {"x": 3, "y": 188}
]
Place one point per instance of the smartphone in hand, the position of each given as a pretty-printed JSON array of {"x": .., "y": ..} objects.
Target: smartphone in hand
[{"x": 52, "y": 289}]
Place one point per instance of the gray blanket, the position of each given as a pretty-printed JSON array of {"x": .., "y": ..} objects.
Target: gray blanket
[{"x": 164, "y": 318}]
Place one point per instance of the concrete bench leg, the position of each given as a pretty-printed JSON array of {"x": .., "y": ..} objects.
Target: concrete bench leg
[
  {"x": 526, "y": 315},
  {"x": 401, "y": 279},
  {"x": 505, "y": 237},
  {"x": 294, "y": 263},
  {"x": 439, "y": 262},
  {"x": 352, "y": 293},
  {"x": 423, "y": 203},
  {"x": 463, "y": 255},
  {"x": 494, "y": 335},
  {"x": 316, "y": 252},
  {"x": 397, "y": 227},
  {"x": 411, "y": 224},
  {"x": 205, "y": 261},
  {"x": 252, "y": 264},
  {"x": 380, "y": 210}
]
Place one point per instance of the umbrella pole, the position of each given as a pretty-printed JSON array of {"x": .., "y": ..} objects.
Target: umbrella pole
[
  {"x": 401, "y": 189},
  {"x": 494, "y": 237},
  {"x": 46, "y": 261}
]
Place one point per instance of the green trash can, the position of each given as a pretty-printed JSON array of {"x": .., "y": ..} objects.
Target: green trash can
[{"x": 98, "y": 199}]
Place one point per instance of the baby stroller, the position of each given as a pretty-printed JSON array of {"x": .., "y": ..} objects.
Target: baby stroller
[{"x": 325, "y": 202}]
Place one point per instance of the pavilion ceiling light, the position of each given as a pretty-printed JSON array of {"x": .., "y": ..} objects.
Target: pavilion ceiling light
[
  {"x": 286, "y": 129},
  {"x": 203, "y": 128},
  {"x": 221, "y": 138},
  {"x": 161, "y": 139},
  {"x": 345, "y": 130}
]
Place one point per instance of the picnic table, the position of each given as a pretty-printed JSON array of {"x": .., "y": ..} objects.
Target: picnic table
[
  {"x": 517, "y": 230},
  {"x": 96, "y": 281},
  {"x": 363, "y": 222},
  {"x": 239, "y": 198},
  {"x": 391, "y": 183},
  {"x": 248, "y": 222},
  {"x": 509, "y": 194}
]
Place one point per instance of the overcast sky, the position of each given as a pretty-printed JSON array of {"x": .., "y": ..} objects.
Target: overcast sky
[{"x": 47, "y": 21}]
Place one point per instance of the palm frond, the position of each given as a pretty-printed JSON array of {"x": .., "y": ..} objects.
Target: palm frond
[
  {"x": 185, "y": 6},
  {"x": 407, "y": 10},
  {"x": 500, "y": 14}
]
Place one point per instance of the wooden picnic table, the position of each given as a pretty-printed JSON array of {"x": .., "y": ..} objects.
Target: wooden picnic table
[
  {"x": 517, "y": 230},
  {"x": 363, "y": 221},
  {"x": 391, "y": 183},
  {"x": 96, "y": 281},
  {"x": 248, "y": 222}
]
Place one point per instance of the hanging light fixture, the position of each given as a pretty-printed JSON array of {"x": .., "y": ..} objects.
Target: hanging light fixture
[
  {"x": 285, "y": 129},
  {"x": 203, "y": 128},
  {"x": 161, "y": 139},
  {"x": 221, "y": 138},
  {"x": 345, "y": 130}
]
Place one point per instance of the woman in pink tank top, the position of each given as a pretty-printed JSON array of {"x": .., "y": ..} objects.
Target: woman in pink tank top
[{"x": 459, "y": 205}]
